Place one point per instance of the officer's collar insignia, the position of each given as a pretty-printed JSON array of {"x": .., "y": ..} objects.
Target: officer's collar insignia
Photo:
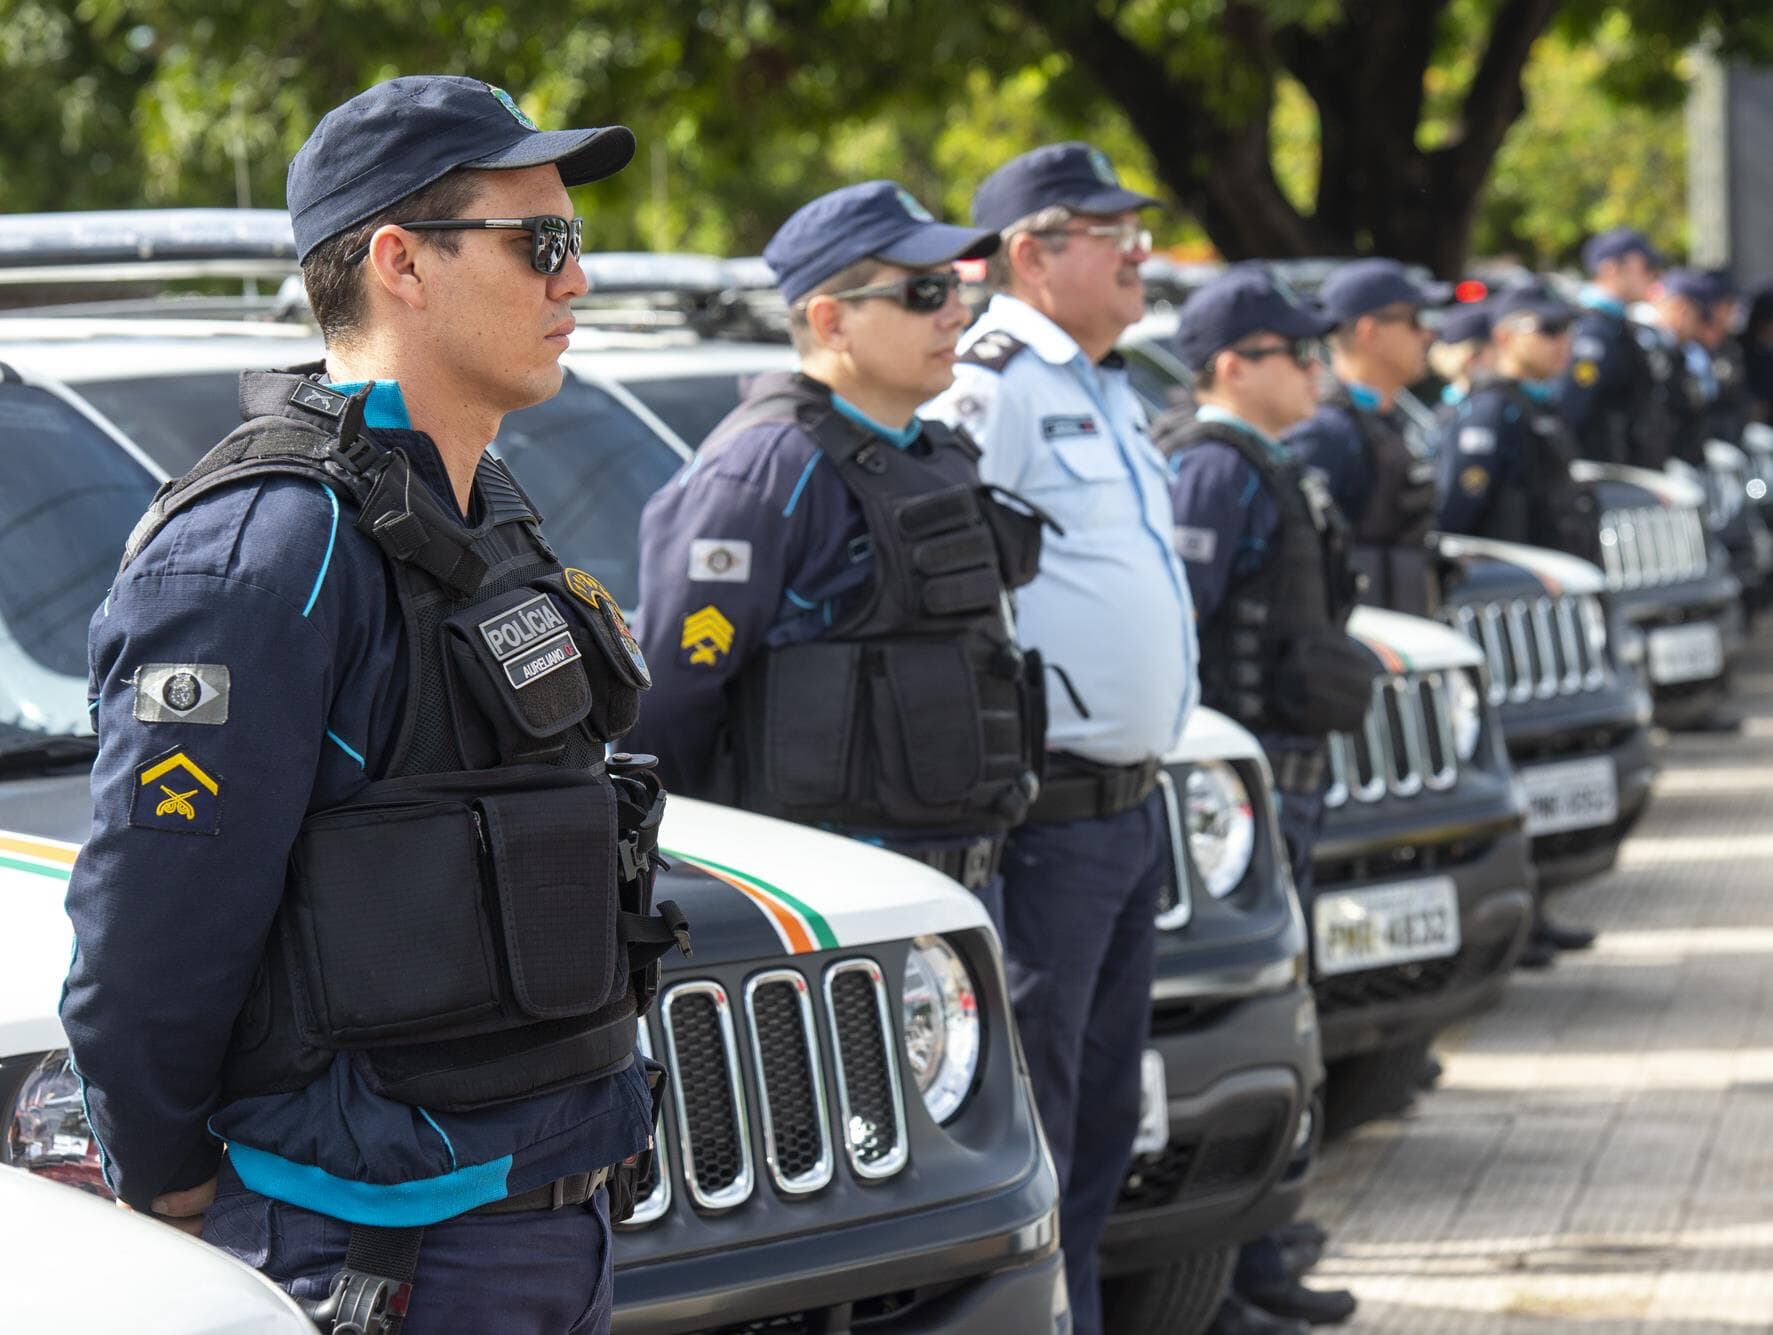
[
  {"x": 510, "y": 105},
  {"x": 610, "y": 627},
  {"x": 182, "y": 692},
  {"x": 319, "y": 399},
  {"x": 1103, "y": 168},
  {"x": 916, "y": 210},
  {"x": 174, "y": 793},
  {"x": 707, "y": 635}
]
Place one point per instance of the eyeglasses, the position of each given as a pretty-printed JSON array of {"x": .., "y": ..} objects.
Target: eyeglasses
[
  {"x": 1129, "y": 237},
  {"x": 922, "y": 293},
  {"x": 1303, "y": 351},
  {"x": 552, "y": 238}
]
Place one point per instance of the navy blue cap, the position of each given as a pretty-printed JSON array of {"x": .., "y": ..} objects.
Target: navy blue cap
[
  {"x": 1075, "y": 174},
  {"x": 1615, "y": 244},
  {"x": 878, "y": 220},
  {"x": 1463, "y": 324},
  {"x": 403, "y": 134},
  {"x": 1694, "y": 284},
  {"x": 1242, "y": 301},
  {"x": 1533, "y": 299},
  {"x": 1364, "y": 286}
]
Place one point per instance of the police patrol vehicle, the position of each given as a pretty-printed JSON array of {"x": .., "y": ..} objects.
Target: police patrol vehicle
[{"x": 850, "y": 1136}]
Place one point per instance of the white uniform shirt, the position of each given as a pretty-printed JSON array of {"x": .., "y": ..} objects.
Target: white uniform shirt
[{"x": 1110, "y": 605}]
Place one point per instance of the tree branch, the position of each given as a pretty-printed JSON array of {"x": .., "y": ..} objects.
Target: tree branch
[{"x": 1495, "y": 99}]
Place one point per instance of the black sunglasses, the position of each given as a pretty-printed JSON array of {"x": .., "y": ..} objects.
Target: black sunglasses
[
  {"x": 552, "y": 238},
  {"x": 923, "y": 293},
  {"x": 1553, "y": 327},
  {"x": 1303, "y": 351}
]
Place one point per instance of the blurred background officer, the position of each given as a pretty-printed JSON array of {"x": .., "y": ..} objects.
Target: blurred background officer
[
  {"x": 1504, "y": 459},
  {"x": 1462, "y": 351},
  {"x": 1356, "y": 438},
  {"x": 255, "y": 663},
  {"x": 1605, "y": 392},
  {"x": 1267, "y": 560},
  {"x": 1680, "y": 370},
  {"x": 1757, "y": 353},
  {"x": 1041, "y": 391},
  {"x": 825, "y": 584},
  {"x": 1729, "y": 409}
]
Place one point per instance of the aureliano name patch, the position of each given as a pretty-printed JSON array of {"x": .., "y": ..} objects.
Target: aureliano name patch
[{"x": 532, "y": 665}]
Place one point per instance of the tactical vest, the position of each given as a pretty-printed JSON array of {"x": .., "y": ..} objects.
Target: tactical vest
[
  {"x": 915, "y": 710},
  {"x": 475, "y": 925},
  {"x": 1549, "y": 508},
  {"x": 1391, "y": 538},
  {"x": 1302, "y": 594},
  {"x": 1622, "y": 427}
]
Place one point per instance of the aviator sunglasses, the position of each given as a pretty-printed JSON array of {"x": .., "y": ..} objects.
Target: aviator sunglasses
[
  {"x": 552, "y": 238},
  {"x": 922, "y": 293}
]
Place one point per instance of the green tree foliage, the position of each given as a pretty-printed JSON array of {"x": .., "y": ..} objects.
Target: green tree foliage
[{"x": 1280, "y": 126}]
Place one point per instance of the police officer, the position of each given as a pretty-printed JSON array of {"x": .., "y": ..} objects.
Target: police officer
[
  {"x": 824, "y": 586},
  {"x": 338, "y": 674},
  {"x": 1462, "y": 351},
  {"x": 1606, "y": 392},
  {"x": 1039, "y": 388},
  {"x": 1267, "y": 560},
  {"x": 1504, "y": 459},
  {"x": 1356, "y": 438},
  {"x": 1682, "y": 388}
]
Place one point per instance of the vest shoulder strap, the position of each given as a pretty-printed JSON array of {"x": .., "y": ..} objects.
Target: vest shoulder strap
[{"x": 1280, "y": 476}]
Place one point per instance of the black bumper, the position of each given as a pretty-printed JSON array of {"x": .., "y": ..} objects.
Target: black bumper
[{"x": 1240, "y": 1075}]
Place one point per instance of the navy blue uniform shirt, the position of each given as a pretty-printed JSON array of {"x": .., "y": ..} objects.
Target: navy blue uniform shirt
[
  {"x": 1330, "y": 441},
  {"x": 755, "y": 544},
  {"x": 289, "y": 618},
  {"x": 1225, "y": 514},
  {"x": 1483, "y": 449}
]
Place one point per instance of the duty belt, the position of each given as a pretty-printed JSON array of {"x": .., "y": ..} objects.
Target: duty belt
[
  {"x": 973, "y": 865},
  {"x": 1300, "y": 771},
  {"x": 573, "y": 1189},
  {"x": 1080, "y": 789}
]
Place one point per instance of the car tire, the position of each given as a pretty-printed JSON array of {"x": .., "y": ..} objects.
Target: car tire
[
  {"x": 1378, "y": 1084},
  {"x": 1177, "y": 1299}
]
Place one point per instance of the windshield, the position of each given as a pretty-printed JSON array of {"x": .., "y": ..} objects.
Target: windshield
[
  {"x": 174, "y": 418},
  {"x": 70, "y": 500},
  {"x": 691, "y": 405}
]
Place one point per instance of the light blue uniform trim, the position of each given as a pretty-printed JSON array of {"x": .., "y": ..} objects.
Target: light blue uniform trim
[
  {"x": 1209, "y": 412},
  {"x": 902, "y": 437},
  {"x": 386, "y": 406},
  {"x": 1363, "y": 396},
  {"x": 800, "y": 486},
  {"x": 1540, "y": 391},
  {"x": 93, "y": 707},
  {"x": 804, "y": 604},
  {"x": 684, "y": 476},
  {"x": 325, "y": 561},
  {"x": 441, "y": 1132},
  {"x": 389, "y": 1205},
  {"x": 340, "y": 742},
  {"x": 1597, "y": 300}
]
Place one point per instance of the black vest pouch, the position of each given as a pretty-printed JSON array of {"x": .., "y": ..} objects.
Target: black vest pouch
[
  {"x": 953, "y": 555},
  {"x": 612, "y": 655},
  {"x": 927, "y": 718},
  {"x": 799, "y": 743},
  {"x": 1015, "y": 526},
  {"x": 515, "y": 676},
  {"x": 1324, "y": 683}
]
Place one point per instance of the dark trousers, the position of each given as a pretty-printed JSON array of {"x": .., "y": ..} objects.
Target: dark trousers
[
  {"x": 1078, "y": 902},
  {"x": 545, "y": 1272}
]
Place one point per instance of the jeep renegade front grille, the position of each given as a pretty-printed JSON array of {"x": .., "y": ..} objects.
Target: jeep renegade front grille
[
  {"x": 782, "y": 1072},
  {"x": 1404, "y": 747},
  {"x": 1538, "y": 648},
  {"x": 1644, "y": 547}
]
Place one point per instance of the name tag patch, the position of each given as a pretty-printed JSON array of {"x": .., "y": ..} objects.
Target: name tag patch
[
  {"x": 1477, "y": 440},
  {"x": 175, "y": 794},
  {"x": 532, "y": 665},
  {"x": 1053, "y": 428},
  {"x": 182, "y": 693},
  {"x": 1196, "y": 544},
  {"x": 720, "y": 560}
]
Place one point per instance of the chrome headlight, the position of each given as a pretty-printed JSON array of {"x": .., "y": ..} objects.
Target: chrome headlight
[
  {"x": 47, "y": 1131},
  {"x": 1221, "y": 826},
  {"x": 1594, "y": 627},
  {"x": 1465, "y": 710},
  {"x": 941, "y": 1018}
]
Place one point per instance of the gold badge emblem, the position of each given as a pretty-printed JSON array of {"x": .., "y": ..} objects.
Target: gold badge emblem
[
  {"x": 1473, "y": 481},
  {"x": 1586, "y": 373}
]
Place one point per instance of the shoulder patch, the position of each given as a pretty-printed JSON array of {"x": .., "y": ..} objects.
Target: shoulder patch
[
  {"x": 609, "y": 627},
  {"x": 182, "y": 693},
  {"x": 1590, "y": 347},
  {"x": 707, "y": 636},
  {"x": 1199, "y": 545},
  {"x": 720, "y": 560},
  {"x": 175, "y": 794},
  {"x": 993, "y": 351},
  {"x": 1473, "y": 480},
  {"x": 1585, "y": 373},
  {"x": 1477, "y": 440}
]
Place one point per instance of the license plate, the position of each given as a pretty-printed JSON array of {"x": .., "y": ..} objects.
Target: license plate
[
  {"x": 1570, "y": 795},
  {"x": 1389, "y": 924},
  {"x": 1154, "y": 1106},
  {"x": 1693, "y": 652}
]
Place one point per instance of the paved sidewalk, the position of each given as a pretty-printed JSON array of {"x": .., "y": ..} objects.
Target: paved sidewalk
[{"x": 1599, "y": 1155}]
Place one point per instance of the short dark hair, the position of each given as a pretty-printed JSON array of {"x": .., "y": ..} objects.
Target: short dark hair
[
  {"x": 1205, "y": 377},
  {"x": 335, "y": 289},
  {"x": 858, "y": 274}
]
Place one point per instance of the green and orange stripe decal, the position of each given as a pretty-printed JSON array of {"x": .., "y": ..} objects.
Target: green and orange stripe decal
[
  {"x": 801, "y": 927},
  {"x": 1393, "y": 661},
  {"x": 45, "y": 857}
]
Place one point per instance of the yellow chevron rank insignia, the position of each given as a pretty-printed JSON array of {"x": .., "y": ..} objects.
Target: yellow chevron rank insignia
[
  {"x": 173, "y": 792},
  {"x": 708, "y": 636}
]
